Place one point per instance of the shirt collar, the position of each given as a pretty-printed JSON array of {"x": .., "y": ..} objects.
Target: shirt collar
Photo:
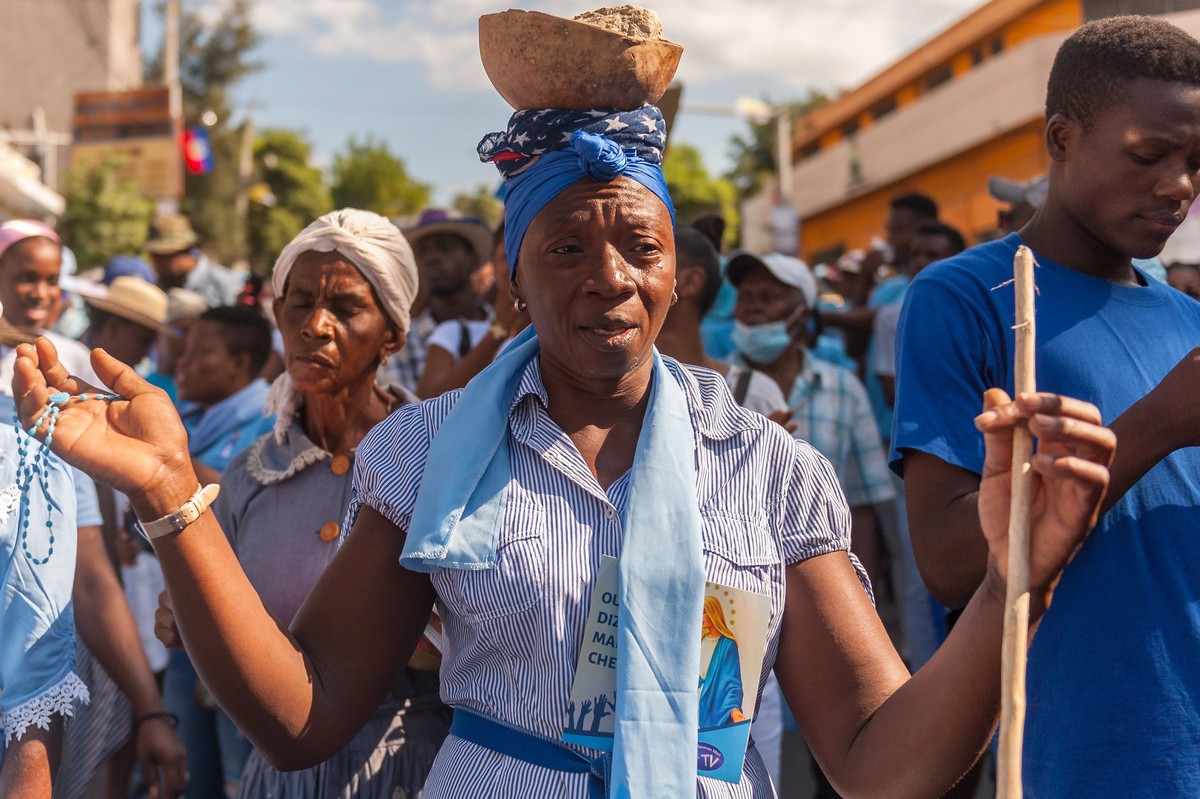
[{"x": 714, "y": 413}]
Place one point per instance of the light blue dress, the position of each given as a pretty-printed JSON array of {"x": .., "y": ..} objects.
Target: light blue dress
[{"x": 37, "y": 627}]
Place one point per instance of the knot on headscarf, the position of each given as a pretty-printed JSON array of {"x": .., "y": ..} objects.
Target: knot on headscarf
[
  {"x": 380, "y": 252},
  {"x": 600, "y": 157},
  {"x": 544, "y": 151}
]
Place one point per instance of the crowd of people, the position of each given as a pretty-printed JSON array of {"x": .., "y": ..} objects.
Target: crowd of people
[{"x": 428, "y": 439}]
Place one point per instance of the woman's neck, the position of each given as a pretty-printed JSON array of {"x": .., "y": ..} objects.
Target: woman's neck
[
  {"x": 337, "y": 422},
  {"x": 602, "y": 418}
]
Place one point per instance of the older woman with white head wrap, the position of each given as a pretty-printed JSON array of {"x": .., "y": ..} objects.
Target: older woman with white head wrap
[
  {"x": 344, "y": 287},
  {"x": 374, "y": 247}
]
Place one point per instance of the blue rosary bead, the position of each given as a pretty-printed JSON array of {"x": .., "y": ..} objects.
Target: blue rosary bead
[{"x": 29, "y": 470}]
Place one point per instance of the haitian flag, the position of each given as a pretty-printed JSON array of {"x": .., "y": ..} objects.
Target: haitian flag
[{"x": 197, "y": 151}]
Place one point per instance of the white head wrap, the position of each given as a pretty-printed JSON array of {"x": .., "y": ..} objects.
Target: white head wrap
[{"x": 379, "y": 250}]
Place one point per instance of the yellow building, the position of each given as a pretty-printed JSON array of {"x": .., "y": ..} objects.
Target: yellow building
[{"x": 966, "y": 105}]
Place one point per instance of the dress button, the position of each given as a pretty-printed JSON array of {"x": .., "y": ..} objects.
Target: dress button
[
  {"x": 329, "y": 531},
  {"x": 339, "y": 465}
]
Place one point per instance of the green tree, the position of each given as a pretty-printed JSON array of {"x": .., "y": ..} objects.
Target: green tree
[
  {"x": 754, "y": 153},
  {"x": 693, "y": 190},
  {"x": 212, "y": 60},
  {"x": 367, "y": 175},
  {"x": 288, "y": 194},
  {"x": 480, "y": 203},
  {"x": 106, "y": 215}
]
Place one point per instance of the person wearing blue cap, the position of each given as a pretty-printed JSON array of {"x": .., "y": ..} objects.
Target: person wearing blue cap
[
  {"x": 127, "y": 266},
  {"x": 501, "y": 501}
]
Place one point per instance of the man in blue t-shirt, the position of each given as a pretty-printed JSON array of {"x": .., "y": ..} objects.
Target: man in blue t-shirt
[{"x": 1113, "y": 686}]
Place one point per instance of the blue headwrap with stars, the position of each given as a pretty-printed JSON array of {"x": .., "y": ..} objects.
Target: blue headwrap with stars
[{"x": 542, "y": 152}]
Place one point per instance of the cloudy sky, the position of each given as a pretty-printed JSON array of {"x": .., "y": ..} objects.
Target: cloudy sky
[{"x": 408, "y": 71}]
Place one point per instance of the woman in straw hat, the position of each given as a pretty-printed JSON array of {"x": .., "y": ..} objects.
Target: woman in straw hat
[{"x": 500, "y": 501}]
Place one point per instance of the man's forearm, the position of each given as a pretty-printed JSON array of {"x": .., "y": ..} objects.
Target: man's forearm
[
  {"x": 1142, "y": 441},
  {"x": 951, "y": 552}
]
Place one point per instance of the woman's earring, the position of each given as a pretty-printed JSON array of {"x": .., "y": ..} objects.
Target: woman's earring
[
  {"x": 674, "y": 298},
  {"x": 521, "y": 305}
]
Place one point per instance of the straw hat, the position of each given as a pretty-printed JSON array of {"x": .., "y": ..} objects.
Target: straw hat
[
  {"x": 438, "y": 220},
  {"x": 134, "y": 299},
  {"x": 171, "y": 234}
]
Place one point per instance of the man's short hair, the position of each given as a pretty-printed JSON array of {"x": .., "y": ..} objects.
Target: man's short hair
[
  {"x": 694, "y": 250},
  {"x": 1096, "y": 63},
  {"x": 920, "y": 205},
  {"x": 712, "y": 225},
  {"x": 243, "y": 329},
  {"x": 948, "y": 232}
]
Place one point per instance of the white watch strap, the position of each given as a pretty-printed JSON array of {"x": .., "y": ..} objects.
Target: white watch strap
[{"x": 187, "y": 513}]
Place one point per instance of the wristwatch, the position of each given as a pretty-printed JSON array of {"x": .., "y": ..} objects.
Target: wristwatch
[{"x": 187, "y": 513}]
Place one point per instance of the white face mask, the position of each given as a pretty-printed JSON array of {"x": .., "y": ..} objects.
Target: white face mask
[{"x": 765, "y": 342}]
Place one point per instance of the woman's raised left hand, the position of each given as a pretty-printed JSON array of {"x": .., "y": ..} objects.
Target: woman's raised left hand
[
  {"x": 136, "y": 444},
  {"x": 1070, "y": 477}
]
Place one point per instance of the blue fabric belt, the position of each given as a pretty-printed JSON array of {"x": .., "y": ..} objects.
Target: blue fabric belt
[{"x": 518, "y": 744}]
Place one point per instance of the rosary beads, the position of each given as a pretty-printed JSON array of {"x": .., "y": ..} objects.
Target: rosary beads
[{"x": 35, "y": 470}]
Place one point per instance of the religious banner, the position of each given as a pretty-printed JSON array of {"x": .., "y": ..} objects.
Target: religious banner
[{"x": 733, "y": 639}]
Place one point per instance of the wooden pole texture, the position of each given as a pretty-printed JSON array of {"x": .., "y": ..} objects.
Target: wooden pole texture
[{"x": 1016, "y": 616}]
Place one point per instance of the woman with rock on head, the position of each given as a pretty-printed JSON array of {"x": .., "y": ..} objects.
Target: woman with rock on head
[{"x": 499, "y": 502}]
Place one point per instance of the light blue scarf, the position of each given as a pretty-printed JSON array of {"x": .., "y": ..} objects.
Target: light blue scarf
[
  {"x": 236, "y": 410},
  {"x": 455, "y": 525}
]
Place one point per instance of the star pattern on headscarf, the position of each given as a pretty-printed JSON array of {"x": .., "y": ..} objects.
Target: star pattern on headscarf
[{"x": 533, "y": 132}]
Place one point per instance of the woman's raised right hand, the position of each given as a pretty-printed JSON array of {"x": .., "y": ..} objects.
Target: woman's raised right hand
[{"x": 137, "y": 444}]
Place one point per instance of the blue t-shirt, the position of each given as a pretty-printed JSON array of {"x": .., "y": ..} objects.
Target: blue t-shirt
[{"x": 1114, "y": 671}]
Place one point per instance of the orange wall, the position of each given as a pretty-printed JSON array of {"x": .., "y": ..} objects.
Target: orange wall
[
  {"x": 959, "y": 185},
  {"x": 1058, "y": 15},
  {"x": 1049, "y": 16}
]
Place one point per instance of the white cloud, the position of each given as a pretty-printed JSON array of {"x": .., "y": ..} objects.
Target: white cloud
[{"x": 823, "y": 43}]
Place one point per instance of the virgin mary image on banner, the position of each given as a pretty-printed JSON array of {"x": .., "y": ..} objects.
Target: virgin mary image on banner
[{"x": 720, "y": 669}]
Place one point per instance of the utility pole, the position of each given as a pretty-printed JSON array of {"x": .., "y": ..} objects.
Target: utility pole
[
  {"x": 245, "y": 166},
  {"x": 171, "y": 59},
  {"x": 170, "y": 205}
]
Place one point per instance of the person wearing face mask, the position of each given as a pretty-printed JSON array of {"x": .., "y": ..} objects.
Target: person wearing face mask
[{"x": 771, "y": 331}]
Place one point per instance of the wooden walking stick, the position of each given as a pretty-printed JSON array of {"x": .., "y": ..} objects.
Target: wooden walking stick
[{"x": 1016, "y": 614}]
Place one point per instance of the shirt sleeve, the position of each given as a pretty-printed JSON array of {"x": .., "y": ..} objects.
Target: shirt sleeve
[
  {"x": 885, "y": 340},
  {"x": 87, "y": 503},
  {"x": 865, "y": 478},
  {"x": 813, "y": 516},
  {"x": 447, "y": 336},
  {"x": 947, "y": 356},
  {"x": 389, "y": 465}
]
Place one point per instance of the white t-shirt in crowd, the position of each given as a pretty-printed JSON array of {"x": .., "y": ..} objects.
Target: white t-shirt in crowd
[{"x": 449, "y": 335}]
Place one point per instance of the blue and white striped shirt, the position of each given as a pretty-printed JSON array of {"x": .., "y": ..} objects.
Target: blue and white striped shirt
[{"x": 513, "y": 632}]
